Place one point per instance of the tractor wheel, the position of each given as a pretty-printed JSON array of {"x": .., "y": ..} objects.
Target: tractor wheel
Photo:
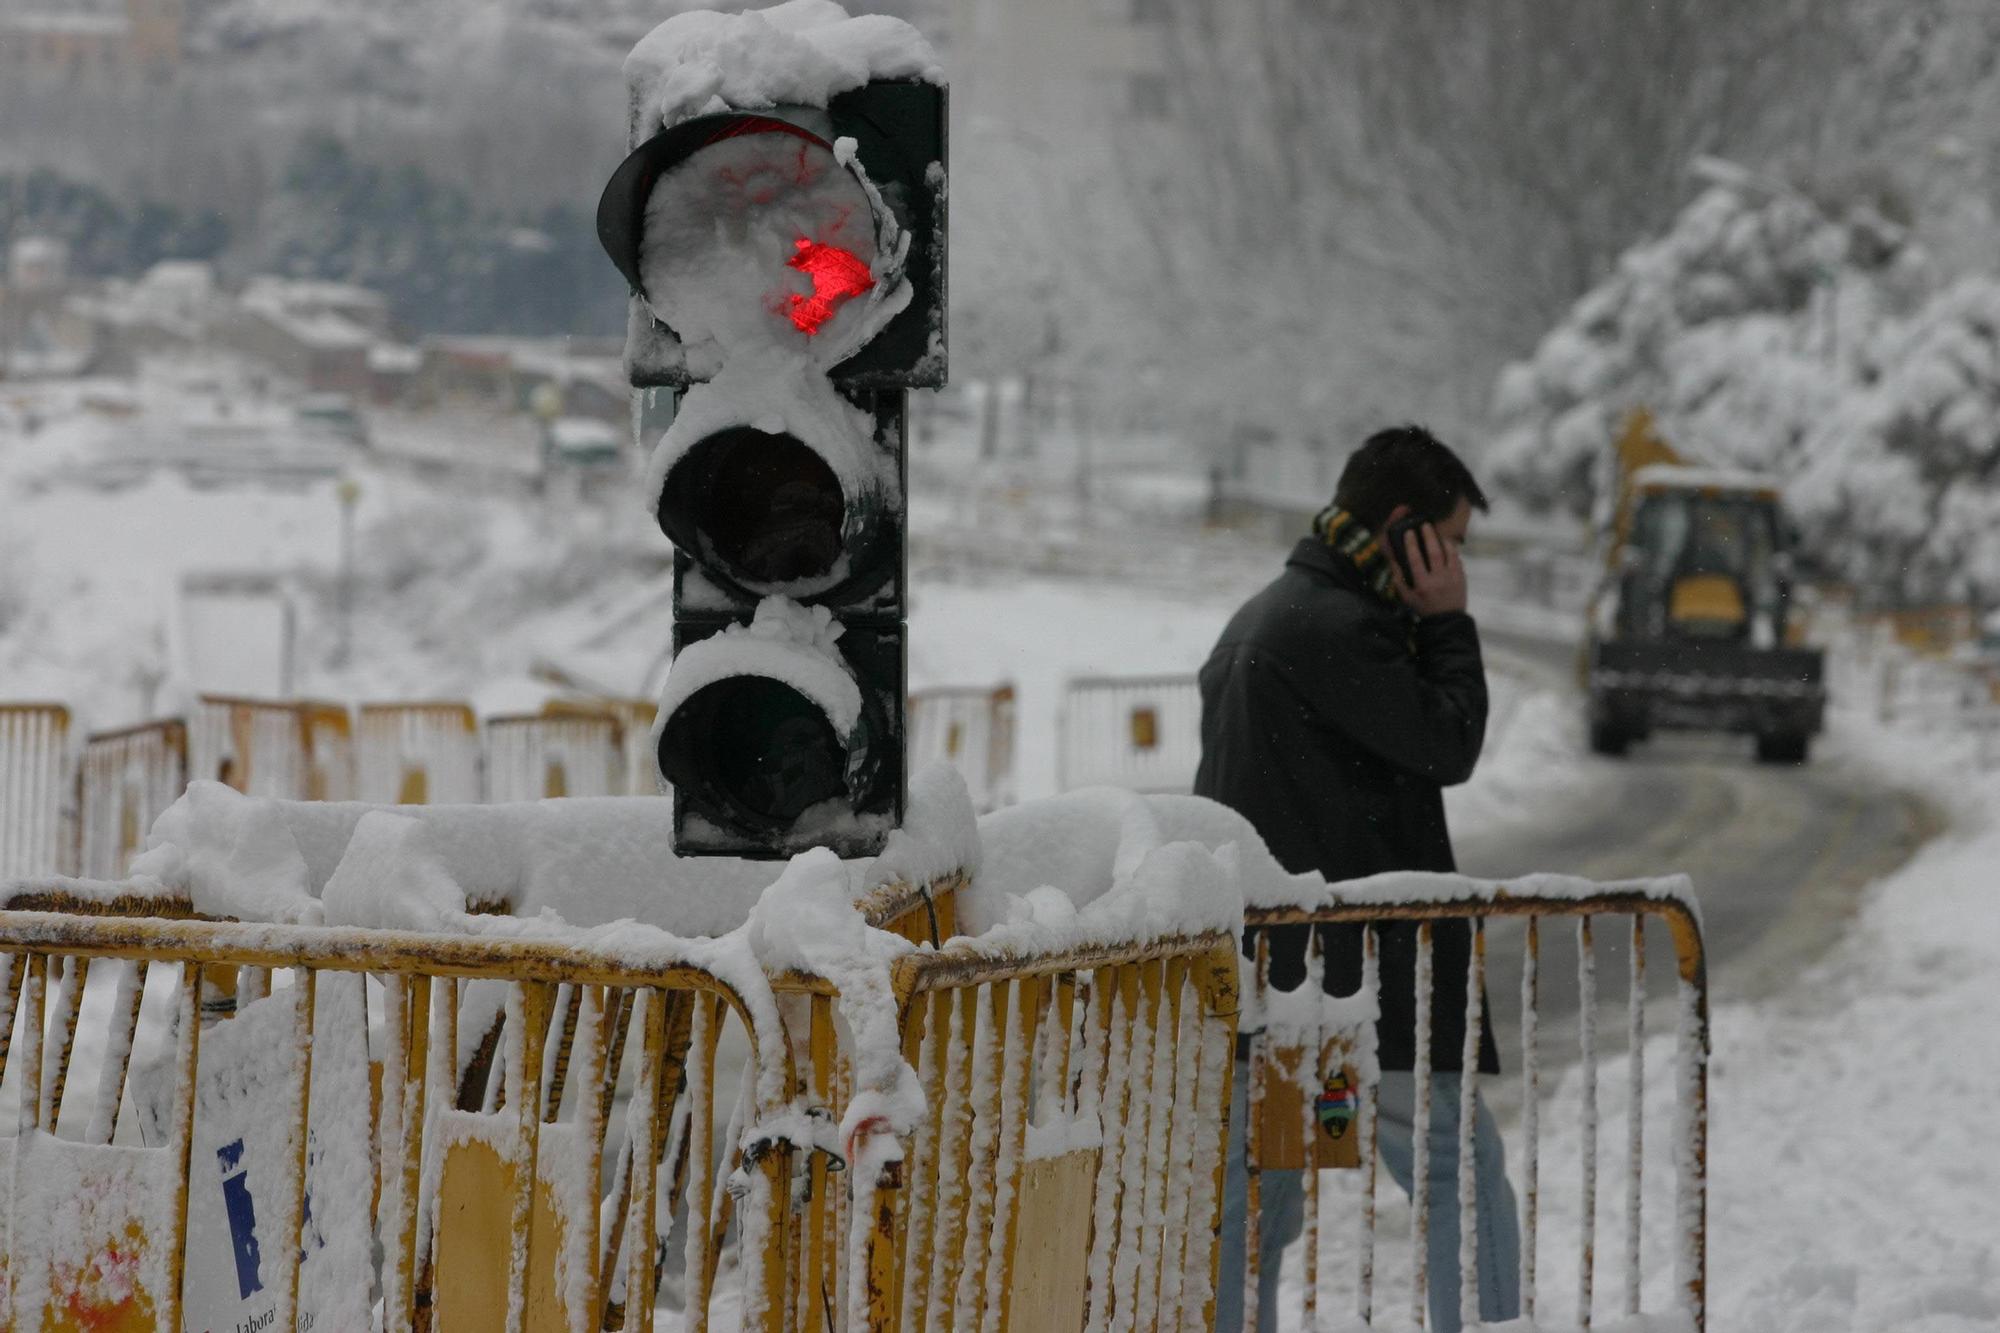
[
  {"x": 1783, "y": 748},
  {"x": 1608, "y": 738}
]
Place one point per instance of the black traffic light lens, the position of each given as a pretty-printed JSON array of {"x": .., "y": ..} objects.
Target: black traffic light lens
[
  {"x": 753, "y": 751},
  {"x": 765, "y": 507}
]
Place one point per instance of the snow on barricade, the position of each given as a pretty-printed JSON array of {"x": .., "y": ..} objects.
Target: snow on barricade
[
  {"x": 801, "y": 53},
  {"x": 1404, "y": 888},
  {"x": 589, "y": 861}
]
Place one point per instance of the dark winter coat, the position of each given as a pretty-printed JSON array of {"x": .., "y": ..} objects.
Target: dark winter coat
[{"x": 1332, "y": 720}]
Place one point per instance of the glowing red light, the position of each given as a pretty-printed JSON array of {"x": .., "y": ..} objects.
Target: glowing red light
[{"x": 837, "y": 276}]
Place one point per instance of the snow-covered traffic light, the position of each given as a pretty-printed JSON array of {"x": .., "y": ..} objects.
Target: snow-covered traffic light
[{"x": 787, "y": 269}]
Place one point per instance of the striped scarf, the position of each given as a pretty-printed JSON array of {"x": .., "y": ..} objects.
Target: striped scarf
[{"x": 1348, "y": 536}]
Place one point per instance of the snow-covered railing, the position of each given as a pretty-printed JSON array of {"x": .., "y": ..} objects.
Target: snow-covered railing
[
  {"x": 537, "y": 756},
  {"x": 417, "y": 754},
  {"x": 300, "y": 750},
  {"x": 1142, "y": 733},
  {"x": 973, "y": 731},
  {"x": 153, "y": 1052},
  {"x": 640, "y": 765},
  {"x": 1914, "y": 691},
  {"x": 1428, "y": 904},
  {"x": 34, "y": 763},
  {"x": 1065, "y": 1171},
  {"x": 124, "y": 780}
]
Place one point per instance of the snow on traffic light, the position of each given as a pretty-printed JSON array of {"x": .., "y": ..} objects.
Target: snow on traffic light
[{"x": 783, "y": 238}]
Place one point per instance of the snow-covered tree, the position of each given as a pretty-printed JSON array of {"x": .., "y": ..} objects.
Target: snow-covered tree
[{"x": 1768, "y": 331}]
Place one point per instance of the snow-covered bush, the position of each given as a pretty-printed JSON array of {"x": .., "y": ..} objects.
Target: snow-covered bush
[{"x": 1763, "y": 331}]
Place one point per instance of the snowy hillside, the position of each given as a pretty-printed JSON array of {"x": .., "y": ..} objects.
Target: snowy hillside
[{"x": 1765, "y": 330}]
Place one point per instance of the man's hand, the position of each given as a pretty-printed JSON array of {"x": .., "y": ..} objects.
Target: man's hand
[{"x": 1440, "y": 573}]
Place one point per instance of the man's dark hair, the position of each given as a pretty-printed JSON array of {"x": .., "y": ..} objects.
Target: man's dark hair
[{"x": 1405, "y": 465}]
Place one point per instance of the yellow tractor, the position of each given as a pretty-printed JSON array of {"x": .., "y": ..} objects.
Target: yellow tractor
[{"x": 1691, "y": 627}]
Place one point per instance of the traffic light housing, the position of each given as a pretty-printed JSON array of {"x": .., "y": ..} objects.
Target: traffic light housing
[{"x": 787, "y": 268}]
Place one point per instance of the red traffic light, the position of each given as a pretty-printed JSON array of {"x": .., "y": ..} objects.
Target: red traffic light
[{"x": 837, "y": 276}]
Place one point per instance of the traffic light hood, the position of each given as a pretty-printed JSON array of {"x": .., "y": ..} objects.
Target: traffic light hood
[
  {"x": 770, "y": 741},
  {"x": 774, "y": 482}
]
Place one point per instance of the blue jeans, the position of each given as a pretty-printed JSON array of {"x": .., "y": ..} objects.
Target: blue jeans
[{"x": 1282, "y": 1212}]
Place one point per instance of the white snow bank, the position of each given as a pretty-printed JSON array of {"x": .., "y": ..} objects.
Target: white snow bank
[
  {"x": 786, "y": 642},
  {"x": 940, "y": 835},
  {"x": 800, "y": 53},
  {"x": 1084, "y": 842}
]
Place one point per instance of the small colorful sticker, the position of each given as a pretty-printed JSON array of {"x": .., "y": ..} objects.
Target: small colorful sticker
[{"x": 1336, "y": 1105}]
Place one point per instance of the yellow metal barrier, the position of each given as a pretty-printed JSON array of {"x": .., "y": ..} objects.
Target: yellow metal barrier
[
  {"x": 639, "y": 767},
  {"x": 973, "y": 731},
  {"x": 496, "y": 1076},
  {"x": 1066, "y": 1173},
  {"x": 284, "y": 749},
  {"x": 34, "y": 765},
  {"x": 1682, "y": 1223},
  {"x": 418, "y": 754},
  {"x": 126, "y": 778},
  {"x": 532, "y": 758}
]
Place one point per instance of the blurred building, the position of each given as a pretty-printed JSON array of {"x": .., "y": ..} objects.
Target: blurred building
[
  {"x": 1066, "y": 74},
  {"x": 84, "y": 44}
]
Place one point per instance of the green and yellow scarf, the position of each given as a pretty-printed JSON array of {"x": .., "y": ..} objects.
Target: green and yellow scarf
[{"x": 1354, "y": 542}]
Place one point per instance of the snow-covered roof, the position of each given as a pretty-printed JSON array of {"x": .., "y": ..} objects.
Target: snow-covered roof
[
  {"x": 583, "y": 433},
  {"x": 395, "y": 359},
  {"x": 76, "y": 25},
  {"x": 800, "y": 53},
  {"x": 180, "y": 273},
  {"x": 323, "y": 330},
  {"x": 268, "y": 288},
  {"x": 39, "y": 249}
]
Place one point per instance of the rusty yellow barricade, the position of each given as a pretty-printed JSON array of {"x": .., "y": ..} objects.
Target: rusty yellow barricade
[
  {"x": 447, "y": 1098},
  {"x": 298, "y": 750},
  {"x": 125, "y": 780},
  {"x": 972, "y": 729},
  {"x": 537, "y": 757},
  {"x": 34, "y": 769},
  {"x": 639, "y": 767},
  {"x": 1678, "y": 1225},
  {"x": 1067, "y": 1171},
  {"x": 418, "y": 754}
]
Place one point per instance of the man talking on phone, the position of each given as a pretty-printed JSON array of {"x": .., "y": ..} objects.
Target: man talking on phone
[{"x": 1337, "y": 705}]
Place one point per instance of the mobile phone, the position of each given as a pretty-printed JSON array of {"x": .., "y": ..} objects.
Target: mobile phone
[{"x": 1395, "y": 537}]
